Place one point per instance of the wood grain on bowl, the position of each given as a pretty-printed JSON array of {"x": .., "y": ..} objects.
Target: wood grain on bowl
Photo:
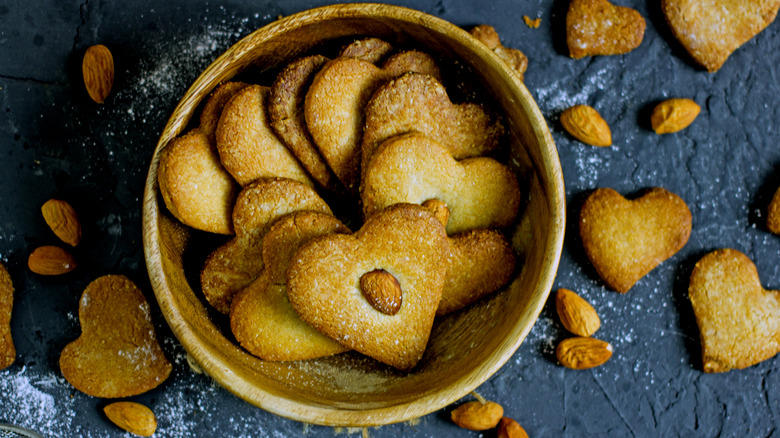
[{"x": 465, "y": 347}]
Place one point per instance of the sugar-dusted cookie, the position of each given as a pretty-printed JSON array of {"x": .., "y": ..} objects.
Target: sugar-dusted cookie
[
  {"x": 625, "y": 239},
  {"x": 248, "y": 147},
  {"x": 514, "y": 58},
  {"x": 285, "y": 109},
  {"x": 117, "y": 354},
  {"x": 739, "y": 320},
  {"x": 479, "y": 192},
  {"x": 7, "y": 349},
  {"x": 197, "y": 190},
  {"x": 261, "y": 317},
  {"x": 339, "y": 283},
  {"x": 370, "y": 49},
  {"x": 418, "y": 102},
  {"x": 773, "y": 213},
  {"x": 480, "y": 262},
  {"x": 237, "y": 263},
  {"x": 212, "y": 109},
  {"x": 597, "y": 27},
  {"x": 710, "y": 30},
  {"x": 334, "y": 107}
]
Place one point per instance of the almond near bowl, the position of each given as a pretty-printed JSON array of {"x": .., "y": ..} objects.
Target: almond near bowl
[{"x": 466, "y": 347}]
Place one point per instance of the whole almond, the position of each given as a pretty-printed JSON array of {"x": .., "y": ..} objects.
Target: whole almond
[
  {"x": 586, "y": 125},
  {"x": 382, "y": 291},
  {"x": 576, "y": 314},
  {"x": 475, "y": 415},
  {"x": 580, "y": 353},
  {"x": 62, "y": 219},
  {"x": 673, "y": 115},
  {"x": 509, "y": 428},
  {"x": 132, "y": 417},
  {"x": 439, "y": 210},
  {"x": 51, "y": 260},
  {"x": 98, "y": 70}
]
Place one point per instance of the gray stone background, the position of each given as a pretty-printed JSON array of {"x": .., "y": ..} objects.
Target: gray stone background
[{"x": 55, "y": 142}]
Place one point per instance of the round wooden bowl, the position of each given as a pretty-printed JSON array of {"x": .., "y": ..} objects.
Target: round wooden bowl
[{"x": 466, "y": 347}]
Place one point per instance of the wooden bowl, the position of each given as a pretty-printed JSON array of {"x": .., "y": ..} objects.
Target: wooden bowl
[{"x": 466, "y": 347}]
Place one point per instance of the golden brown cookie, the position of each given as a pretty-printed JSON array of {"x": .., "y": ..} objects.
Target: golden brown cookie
[
  {"x": 710, "y": 30},
  {"x": 197, "y": 190},
  {"x": 212, "y": 109},
  {"x": 480, "y": 262},
  {"x": 117, "y": 354},
  {"x": 597, "y": 27},
  {"x": 625, "y": 239},
  {"x": 261, "y": 317},
  {"x": 7, "y": 349},
  {"x": 479, "y": 192},
  {"x": 237, "y": 263},
  {"x": 773, "y": 213},
  {"x": 248, "y": 147},
  {"x": 334, "y": 109},
  {"x": 418, "y": 102},
  {"x": 369, "y": 49},
  {"x": 285, "y": 109},
  {"x": 405, "y": 243},
  {"x": 739, "y": 320},
  {"x": 515, "y": 59}
]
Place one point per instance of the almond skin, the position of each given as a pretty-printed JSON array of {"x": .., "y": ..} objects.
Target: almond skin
[
  {"x": 475, "y": 415},
  {"x": 382, "y": 291},
  {"x": 586, "y": 125},
  {"x": 580, "y": 353},
  {"x": 51, "y": 260},
  {"x": 576, "y": 313},
  {"x": 62, "y": 219},
  {"x": 439, "y": 210},
  {"x": 97, "y": 68},
  {"x": 132, "y": 417},
  {"x": 673, "y": 115},
  {"x": 509, "y": 428}
]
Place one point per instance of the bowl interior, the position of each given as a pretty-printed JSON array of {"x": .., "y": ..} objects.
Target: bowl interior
[{"x": 466, "y": 347}]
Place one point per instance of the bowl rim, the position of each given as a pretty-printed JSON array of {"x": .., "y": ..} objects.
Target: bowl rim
[{"x": 331, "y": 415}]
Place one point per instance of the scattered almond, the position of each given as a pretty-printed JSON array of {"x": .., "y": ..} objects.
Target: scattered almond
[
  {"x": 51, "y": 260},
  {"x": 382, "y": 291},
  {"x": 132, "y": 417},
  {"x": 98, "y": 70},
  {"x": 673, "y": 115},
  {"x": 439, "y": 210},
  {"x": 533, "y": 23},
  {"x": 475, "y": 415},
  {"x": 576, "y": 313},
  {"x": 581, "y": 353},
  {"x": 586, "y": 125},
  {"x": 509, "y": 428},
  {"x": 62, "y": 219}
]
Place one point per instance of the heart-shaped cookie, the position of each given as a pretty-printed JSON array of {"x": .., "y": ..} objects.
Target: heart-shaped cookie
[
  {"x": 7, "y": 350},
  {"x": 479, "y": 192},
  {"x": 335, "y": 102},
  {"x": 117, "y": 354},
  {"x": 773, "y": 213},
  {"x": 597, "y": 27},
  {"x": 248, "y": 147},
  {"x": 739, "y": 320},
  {"x": 261, "y": 317},
  {"x": 197, "y": 190},
  {"x": 406, "y": 244},
  {"x": 625, "y": 239},
  {"x": 711, "y": 30},
  {"x": 237, "y": 263},
  {"x": 418, "y": 102}
]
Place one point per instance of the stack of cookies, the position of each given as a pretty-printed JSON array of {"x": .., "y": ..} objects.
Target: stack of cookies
[{"x": 373, "y": 129}]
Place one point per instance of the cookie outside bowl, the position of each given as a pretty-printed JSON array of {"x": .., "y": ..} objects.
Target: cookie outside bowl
[{"x": 465, "y": 347}]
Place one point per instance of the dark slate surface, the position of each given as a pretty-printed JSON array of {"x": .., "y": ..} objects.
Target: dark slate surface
[{"x": 54, "y": 142}]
